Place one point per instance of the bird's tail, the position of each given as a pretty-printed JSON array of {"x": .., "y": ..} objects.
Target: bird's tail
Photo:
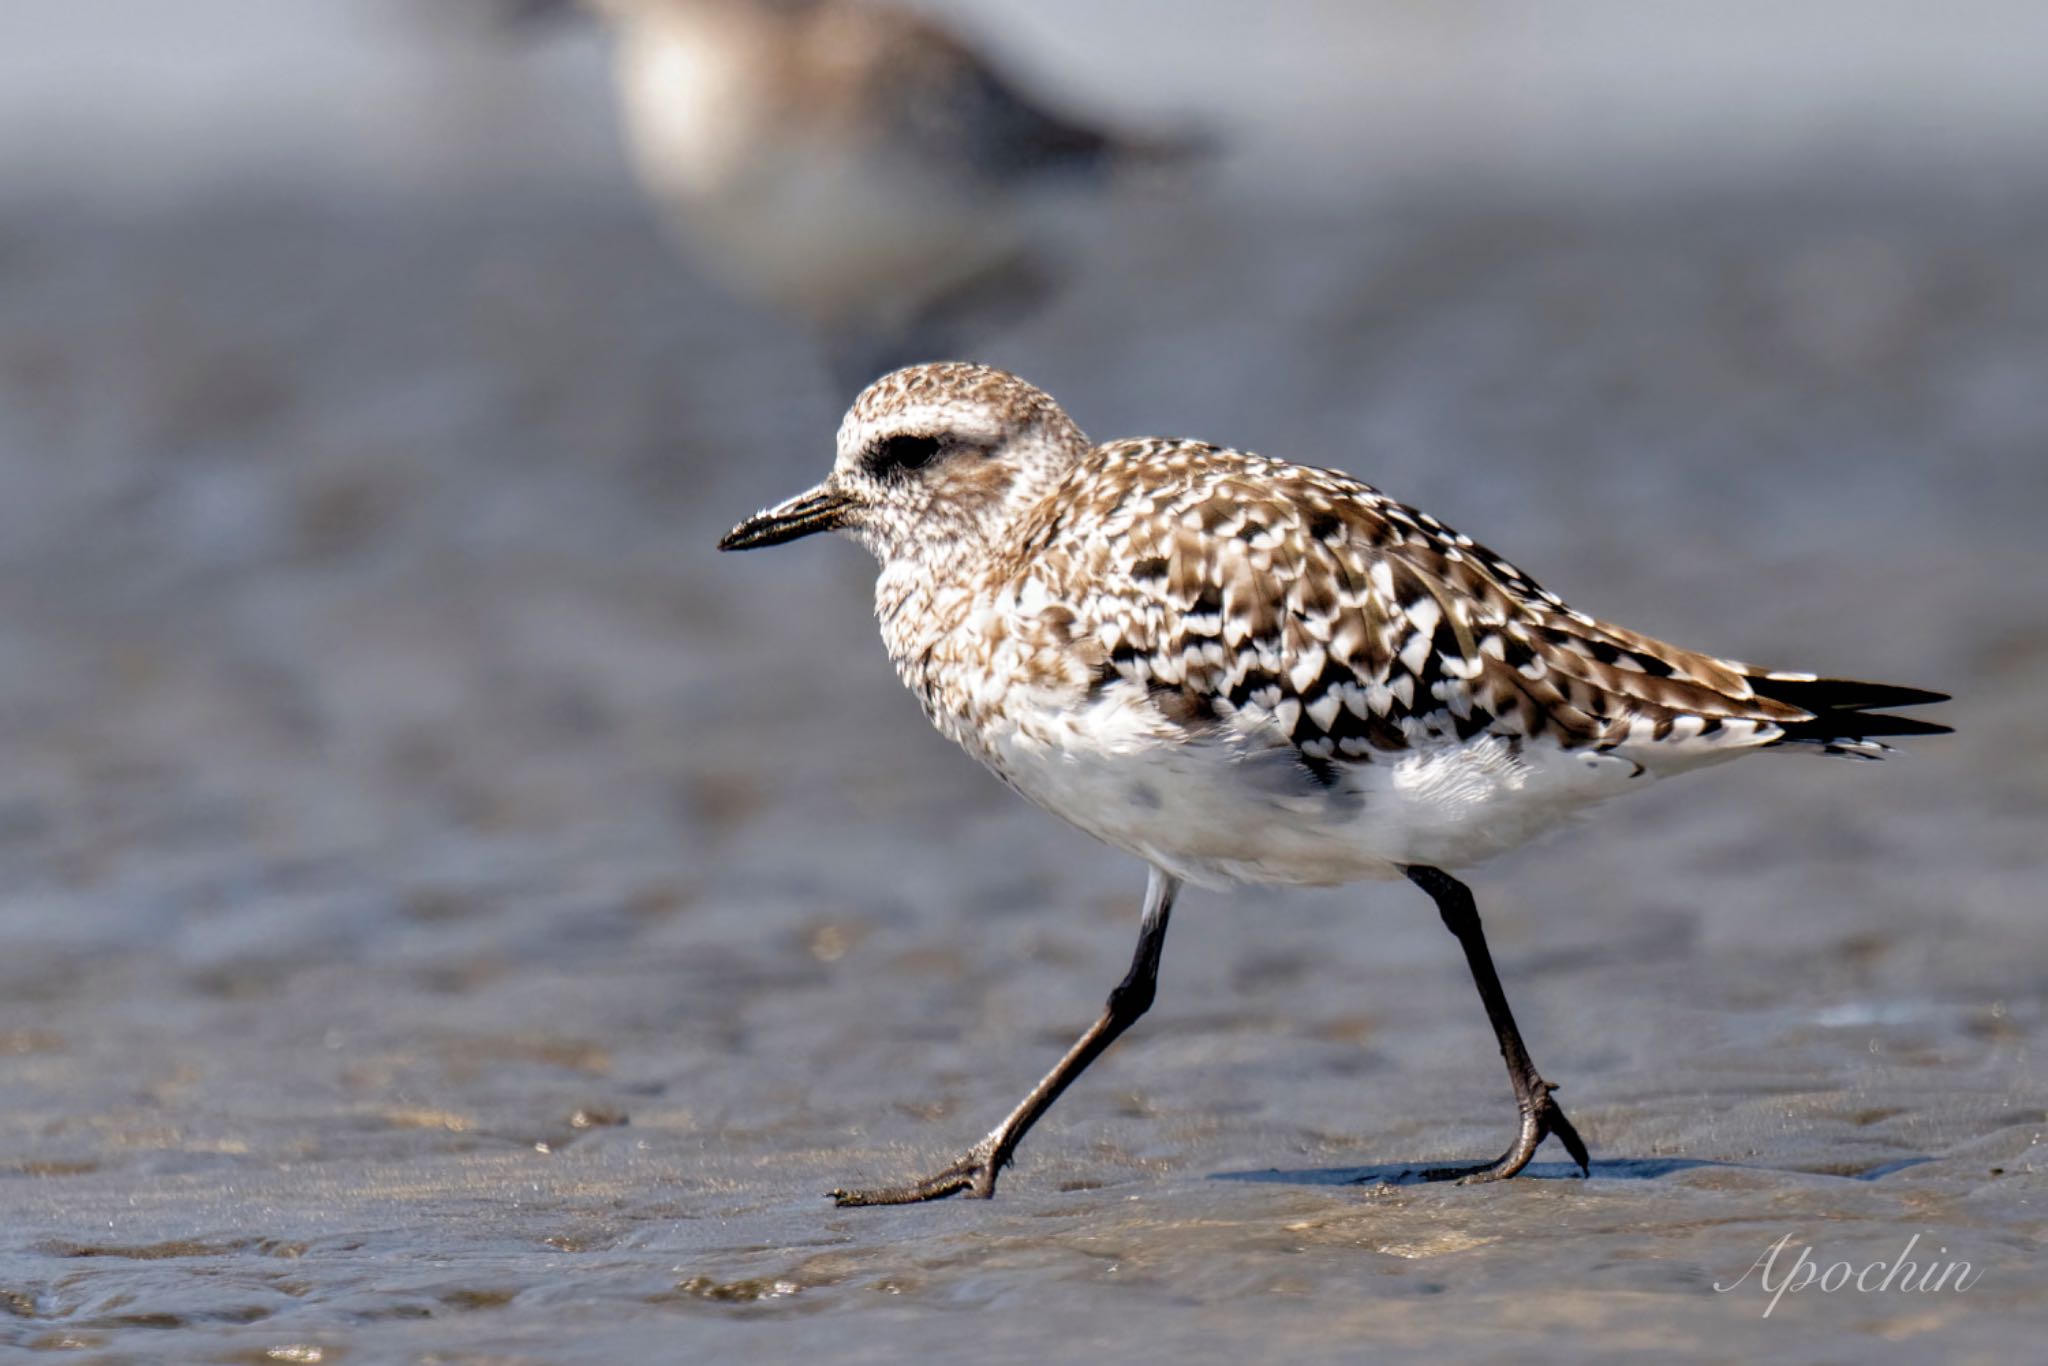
[{"x": 1845, "y": 717}]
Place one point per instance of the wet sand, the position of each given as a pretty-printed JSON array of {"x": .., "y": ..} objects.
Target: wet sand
[{"x": 452, "y": 914}]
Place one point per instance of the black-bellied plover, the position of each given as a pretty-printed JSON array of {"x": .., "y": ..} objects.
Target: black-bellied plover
[
  {"x": 853, "y": 163},
  {"x": 1246, "y": 671}
]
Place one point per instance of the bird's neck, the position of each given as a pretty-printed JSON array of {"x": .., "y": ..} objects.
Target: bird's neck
[{"x": 921, "y": 618}]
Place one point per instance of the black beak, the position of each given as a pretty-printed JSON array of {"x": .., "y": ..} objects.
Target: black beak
[{"x": 821, "y": 509}]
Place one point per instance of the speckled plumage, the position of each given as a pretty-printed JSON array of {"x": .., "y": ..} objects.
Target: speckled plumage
[
  {"x": 1351, "y": 685},
  {"x": 1245, "y": 670}
]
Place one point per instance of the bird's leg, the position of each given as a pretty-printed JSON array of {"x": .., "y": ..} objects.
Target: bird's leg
[
  {"x": 975, "y": 1173},
  {"x": 1540, "y": 1114}
]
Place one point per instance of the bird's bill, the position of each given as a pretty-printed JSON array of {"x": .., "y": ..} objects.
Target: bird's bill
[{"x": 821, "y": 509}]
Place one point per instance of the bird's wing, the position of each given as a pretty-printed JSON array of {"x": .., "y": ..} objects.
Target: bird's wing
[
  {"x": 942, "y": 99},
  {"x": 1301, "y": 605}
]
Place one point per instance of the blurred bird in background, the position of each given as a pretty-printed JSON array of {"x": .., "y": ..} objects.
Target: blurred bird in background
[{"x": 857, "y": 165}]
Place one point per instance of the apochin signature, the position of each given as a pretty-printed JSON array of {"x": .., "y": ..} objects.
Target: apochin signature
[{"x": 1898, "y": 1274}]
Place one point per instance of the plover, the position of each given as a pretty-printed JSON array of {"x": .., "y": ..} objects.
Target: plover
[
  {"x": 855, "y": 164},
  {"x": 1242, "y": 670}
]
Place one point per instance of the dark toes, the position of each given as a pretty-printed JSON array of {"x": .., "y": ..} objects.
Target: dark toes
[
  {"x": 1573, "y": 1144},
  {"x": 967, "y": 1175}
]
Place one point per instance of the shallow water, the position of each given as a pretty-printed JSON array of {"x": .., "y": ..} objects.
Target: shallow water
[{"x": 451, "y": 914}]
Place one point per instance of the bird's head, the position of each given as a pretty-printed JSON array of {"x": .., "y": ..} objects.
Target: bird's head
[{"x": 934, "y": 462}]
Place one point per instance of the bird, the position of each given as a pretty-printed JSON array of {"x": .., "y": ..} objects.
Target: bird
[
  {"x": 857, "y": 165},
  {"x": 1245, "y": 671}
]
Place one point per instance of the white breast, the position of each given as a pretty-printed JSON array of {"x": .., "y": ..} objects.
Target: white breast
[{"x": 1234, "y": 808}]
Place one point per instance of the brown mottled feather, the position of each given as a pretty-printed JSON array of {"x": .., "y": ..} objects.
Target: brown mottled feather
[{"x": 1261, "y": 592}]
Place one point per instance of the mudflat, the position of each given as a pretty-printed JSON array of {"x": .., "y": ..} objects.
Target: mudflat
[{"x": 451, "y": 913}]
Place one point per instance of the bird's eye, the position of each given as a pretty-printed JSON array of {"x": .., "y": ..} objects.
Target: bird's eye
[{"x": 902, "y": 452}]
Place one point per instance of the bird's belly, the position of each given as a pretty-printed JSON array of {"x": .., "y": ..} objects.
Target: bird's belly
[
  {"x": 841, "y": 244},
  {"x": 1218, "y": 813}
]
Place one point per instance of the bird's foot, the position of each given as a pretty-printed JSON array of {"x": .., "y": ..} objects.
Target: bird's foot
[
  {"x": 1541, "y": 1118},
  {"x": 974, "y": 1174}
]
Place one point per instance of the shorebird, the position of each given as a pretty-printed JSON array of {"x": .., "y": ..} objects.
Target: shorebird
[
  {"x": 857, "y": 165},
  {"x": 1242, "y": 670}
]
